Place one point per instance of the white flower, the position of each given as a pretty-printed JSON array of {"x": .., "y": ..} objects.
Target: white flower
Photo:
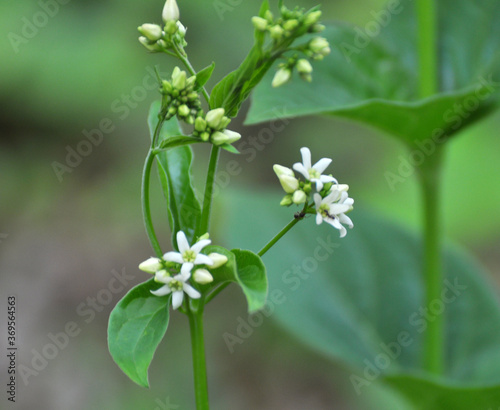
[
  {"x": 313, "y": 173},
  {"x": 189, "y": 255},
  {"x": 202, "y": 276},
  {"x": 332, "y": 209},
  {"x": 170, "y": 11},
  {"x": 176, "y": 285}
]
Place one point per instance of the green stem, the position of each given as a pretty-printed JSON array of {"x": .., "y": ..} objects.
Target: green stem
[
  {"x": 199, "y": 362},
  {"x": 209, "y": 189},
  {"x": 271, "y": 243},
  {"x": 148, "y": 222},
  {"x": 430, "y": 179},
  {"x": 427, "y": 47}
]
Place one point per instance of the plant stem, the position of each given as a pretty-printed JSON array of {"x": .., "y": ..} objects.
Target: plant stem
[
  {"x": 427, "y": 47},
  {"x": 209, "y": 189},
  {"x": 199, "y": 362},
  {"x": 430, "y": 178},
  {"x": 271, "y": 243},
  {"x": 146, "y": 211}
]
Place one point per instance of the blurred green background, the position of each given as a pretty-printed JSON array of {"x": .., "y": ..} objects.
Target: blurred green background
[{"x": 62, "y": 237}]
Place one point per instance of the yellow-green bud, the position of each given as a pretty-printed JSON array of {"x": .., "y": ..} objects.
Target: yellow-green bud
[
  {"x": 281, "y": 170},
  {"x": 183, "y": 110},
  {"x": 152, "y": 32},
  {"x": 259, "y": 23},
  {"x": 291, "y": 25},
  {"x": 214, "y": 118},
  {"x": 202, "y": 276},
  {"x": 312, "y": 18},
  {"x": 179, "y": 79},
  {"x": 304, "y": 66},
  {"x": 287, "y": 200},
  {"x": 281, "y": 77},
  {"x": 170, "y": 11},
  {"x": 276, "y": 32},
  {"x": 205, "y": 136},
  {"x": 146, "y": 43},
  {"x": 218, "y": 260},
  {"x": 290, "y": 184},
  {"x": 225, "y": 137},
  {"x": 299, "y": 197},
  {"x": 200, "y": 124},
  {"x": 151, "y": 265}
]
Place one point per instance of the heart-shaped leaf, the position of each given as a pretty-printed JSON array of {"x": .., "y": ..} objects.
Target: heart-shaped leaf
[
  {"x": 374, "y": 79},
  {"x": 136, "y": 327},
  {"x": 174, "y": 169},
  {"x": 360, "y": 300}
]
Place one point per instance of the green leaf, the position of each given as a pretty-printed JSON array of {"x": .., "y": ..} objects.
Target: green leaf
[
  {"x": 178, "y": 141},
  {"x": 174, "y": 167},
  {"x": 355, "y": 298},
  {"x": 230, "y": 148},
  {"x": 374, "y": 80},
  {"x": 203, "y": 76},
  {"x": 136, "y": 327},
  {"x": 244, "y": 268}
]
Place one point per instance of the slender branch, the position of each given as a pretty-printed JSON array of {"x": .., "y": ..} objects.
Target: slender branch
[
  {"x": 216, "y": 291},
  {"x": 199, "y": 361},
  {"x": 146, "y": 211},
  {"x": 271, "y": 243}
]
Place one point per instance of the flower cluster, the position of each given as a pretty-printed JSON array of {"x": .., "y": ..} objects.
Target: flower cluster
[
  {"x": 158, "y": 39},
  {"x": 180, "y": 97},
  {"x": 288, "y": 26},
  {"x": 330, "y": 200},
  {"x": 175, "y": 269},
  {"x": 212, "y": 127}
]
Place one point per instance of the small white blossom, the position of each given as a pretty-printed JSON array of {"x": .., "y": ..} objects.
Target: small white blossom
[
  {"x": 332, "y": 209},
  {"x": 189, "y": 255},
  {"x": 313, "y": 173},
  {"x": 177, "y": 285}
]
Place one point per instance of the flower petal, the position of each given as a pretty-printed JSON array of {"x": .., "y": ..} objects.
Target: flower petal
[
  {"x": 185, "y": 272},
  {"x": 301, "y": 169},
  {"x": 306, "y": 157},
  {"x": 198, "y": 246},
  {"x": 336, "y": 209},
  {"x": 191, "y": 292},
  {"x": 182, "y": 242},
  {"x": 317, "y": 200},
  {"x": 173, "y": 257},
  {"x": 164, "y": 290},
  {"x": 327, "y": 178},
  {"x": 322, "y": 164},
  {"x": 346, "y": 220},
  {"x": 319, "y": 219},
  {"x": 203, "y": 260},
  {"x": 177, "y": 298},
  {"x": 319, "y": 184}
]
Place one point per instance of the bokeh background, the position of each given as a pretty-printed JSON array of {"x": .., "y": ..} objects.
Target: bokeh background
[{"x": 78, "y": 68}]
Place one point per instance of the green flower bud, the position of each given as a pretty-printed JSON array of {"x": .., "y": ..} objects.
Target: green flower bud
[
  {"x": 214, "y": 118},
  {"x": 150, "y": 46},
  {"x": 183, "y": 110},
  {"x": 204, "y": 236},
  {"x": 171, "y": 27},
  {"x": 226, "y": 137},
  {"x": 179, "y": 79},
  {"x": 317, "y": 28},
  {"x": 290, "y": 184},
  {"x": 152, "y": 265},
  {"x": 291, "y": 25},
  {"x": 189, "y": 120},
  {"x": 205, "y": 136},
  {"x": 281, "y": 77},
  {"x": 276, "y": 32},
  {"x": 166, "y": 87},
  {"x": 191, "y": 81},
  {"x": 161, "y": 275},
  {"x": 287, "y": 200},
  {"x": 304, "y": 66},
  {"x": 224, "y": 122},
  {"x": 170, "y": 11},
  {"x": 281, "y": 170},
  {"x": 200, "y": 124},
  {"x": 312, "y": 18},
  {"x": 268, "y": 15},
  {"x": 259, "y": 23},
  {"x": 181, "y": 29},
  {"x": 320, "y": 45},
  {"x": 299, "y": 197},
  {"x": 152, "y": 32}
]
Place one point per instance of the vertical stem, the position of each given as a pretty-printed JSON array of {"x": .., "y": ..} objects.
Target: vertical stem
[
  {"x": 146, "y": 210},
  {"x": 209, "y": 188},
  {"x": 430, "y": 178},
  {"x": 199, "y": 362},
  {"x": 427, "y": 47}
]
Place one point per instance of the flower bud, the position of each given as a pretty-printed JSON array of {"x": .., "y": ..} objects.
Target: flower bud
[
  {"x": 281, "y": 77},
  {"x": 214, "y": 118},
  {"x": 166, "y": 87},
  {"x": 170, "y": 11},
  {"x": 204, "y": 236},
  {"x": 224, "y": 122},
  {"x": 202, "y": 276},
  {"x": 317, "y": 28},
  {"x": 179, "y": 79},
  {"x": 287, "y": 200},
  {"x": 182, "y": 30},
  {"x": 299, "y": 197},
  {"x": 259, "y": 23},
  {"x": 304, "y": 66},
  {"x": 152, "y": 32},
  {"x": 205, "y": 136},
  {"x": 200, "y": 124},
  {"x": 291, "y": 25},
  {"x": 281, "y": 170},
  {"x": 161, "y": 276},
  {"x": 151, "y": 265},
  {"x": 276, "y": 32},
  {"x": 218, "y": 260},
  {"x": 268, "y": 15},
  {"x": 320, "y": 45},
  {"x": 171, "y": 27},
  {"x": 183, "y": 110},
  {"x": 312, "y": 18},
  {"x": 225, "y": 137},
  {"x": 290, "y": 184},
  {"x": 146, "y": 43},
  {"x": 191, "y": 81}
]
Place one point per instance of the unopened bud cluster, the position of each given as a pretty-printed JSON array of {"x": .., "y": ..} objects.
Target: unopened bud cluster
[
  {"x": 158, "y": 39},
  {"x": 290, "y": 25},
  {"x": 180, "y": 98},
  {"x": 213, "y": 127}
]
